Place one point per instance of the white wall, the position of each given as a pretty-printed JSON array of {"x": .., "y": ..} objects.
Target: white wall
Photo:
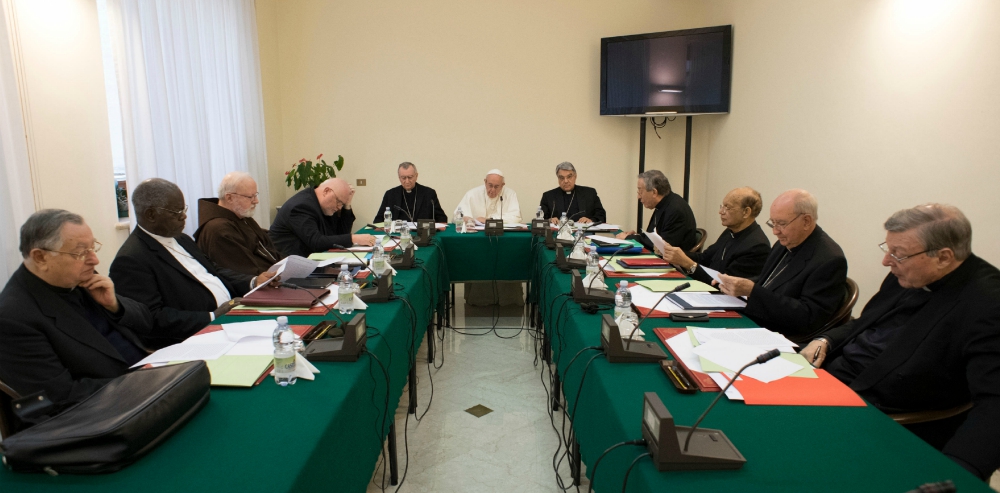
[
  {"x": 58, "y": 55},
  {"x": 874, "y": 106},
  {"x": 458, "y": 88}
]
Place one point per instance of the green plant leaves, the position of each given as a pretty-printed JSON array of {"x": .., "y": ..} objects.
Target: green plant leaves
[{"x": 306, "y": 174}]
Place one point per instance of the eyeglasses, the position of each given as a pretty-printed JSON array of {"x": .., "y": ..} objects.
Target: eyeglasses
[
  {"x": 898, "y": 260},
  {"x": 726, "y": 208},
  {"x": 81, "y": 255},
  {"x": 771, "y": 223},
  {"x": 176, "y": 213},
  {"x": 251, "y": 197},
  {"x": 340, "y": 203}
]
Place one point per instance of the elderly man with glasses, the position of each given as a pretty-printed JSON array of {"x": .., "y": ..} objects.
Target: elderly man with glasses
[
  {"x": 64, "y": 330},
  {"x": 802, "y": 283},
  {"x": 930, "y": 338},
  {"x": 162, "y": 267},
  {"x": 410, "y": 200},
  {"x": 227, "y": 231},
  {"x": 316, "y": 220}
]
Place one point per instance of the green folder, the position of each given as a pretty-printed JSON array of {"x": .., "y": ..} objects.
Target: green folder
[{"x": 238, "y": 371}]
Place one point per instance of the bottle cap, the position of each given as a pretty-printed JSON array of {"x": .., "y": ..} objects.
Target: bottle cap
[
  {"x": 623, "y": 284},
  {"x": 283, "y": 320}
]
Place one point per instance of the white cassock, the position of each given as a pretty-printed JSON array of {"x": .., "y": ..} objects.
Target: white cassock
[{"x": 476, "y": 203}]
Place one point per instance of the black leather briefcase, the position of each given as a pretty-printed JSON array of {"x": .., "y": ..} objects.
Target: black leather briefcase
[{"x": 115, "y": 426}]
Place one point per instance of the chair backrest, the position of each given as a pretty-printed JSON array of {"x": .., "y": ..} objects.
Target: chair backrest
[
  {"x": 700, "y": 235},
  {"x": 839, "y": 317},
  {"x": 926, "y": 416},
  {"x": 7, "y": 395}
]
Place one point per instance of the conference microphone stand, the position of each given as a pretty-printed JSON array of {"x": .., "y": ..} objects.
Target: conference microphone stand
[
  {"x": 404, "y": 211},
  {"x": 763, "y": 358},
  {"x": 680, "y": 287},
  {"x": 601, "y": 270}
]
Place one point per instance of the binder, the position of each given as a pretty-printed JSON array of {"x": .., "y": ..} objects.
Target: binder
[
  {"x": 284, "y": 297},
  {"x": 705, "y": 382}
]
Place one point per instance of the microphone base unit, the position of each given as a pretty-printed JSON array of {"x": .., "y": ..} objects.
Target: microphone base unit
[
  {"x": 550, "y": 239},
  {"x": 404, "y": 261},
  {"x": 564, "y": 263},
  {"x": 423, "y": 236},
  {"x": 708, "y": 450},
  {"x": 379, "y": 293},
  {"x": 494, "y": 227},
  {"x": 345, "y": 348},
  {"x": 595, "y": 294},
  {"x": 538, "y": 227},
  {"x": 638, "y": 351}
]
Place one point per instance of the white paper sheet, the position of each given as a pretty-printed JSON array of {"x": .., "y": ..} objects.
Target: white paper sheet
[
  {"x": 760, "y": 338},
  {"x": 711, "y": 300},
  {"x": 186, "y": 352},
  {"x": 258, "y": 328},
  {"x": 644, "y": 298},
  {"x": 681, "y": 346},
  {"x": 294, "y": 267},
  {"x": 722, "y": 379},
  {"x": 712, "y": 272},
  {"x": 658, "y": 242},
  {"x": 608, "y": 239},
  {"x": 733, "y": 356},
  {"x": 604, "y": 227}
]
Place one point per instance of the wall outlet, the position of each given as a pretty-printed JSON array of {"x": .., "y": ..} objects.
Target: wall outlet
[{"x": 362, "y": 182}]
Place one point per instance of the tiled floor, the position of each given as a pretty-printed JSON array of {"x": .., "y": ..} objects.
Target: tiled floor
[{"x": 508, "y": 449}]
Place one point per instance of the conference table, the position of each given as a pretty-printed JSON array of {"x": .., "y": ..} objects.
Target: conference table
[{"x": 328, "y": 433}]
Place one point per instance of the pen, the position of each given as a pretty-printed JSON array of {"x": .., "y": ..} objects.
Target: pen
[{"x": 816, "y": 354}]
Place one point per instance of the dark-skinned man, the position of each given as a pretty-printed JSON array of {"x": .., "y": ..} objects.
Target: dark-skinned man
[
  {"x": 580, "y": 203},
  {"x": 802, "y": 282},
  {"x": 741, "y": 249},
  {"x": 930, "y": 338},
  {"x": 162, "y": 267},
  {"x": 410, "y": 201},
  {"x": 64, "y": 330},
  {"x": 672, "y": 218}
]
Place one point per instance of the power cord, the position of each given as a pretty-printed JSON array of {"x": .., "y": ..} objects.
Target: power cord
[
  {"x": 597, "y": 463},
  {"x": 629, "y": 470}
]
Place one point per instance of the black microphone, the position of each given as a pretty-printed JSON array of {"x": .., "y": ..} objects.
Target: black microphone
[
  {"x": 501, "y": 209},
  {"x": 574, "y": 215},
  {"x": 342, "y": 247},
  {"x": 404, "y": 211},
  {"x": 947, "y": 486},
  {"x": 620, "y": 250},
  {"x": 329, "y": 310},
  {"x": 763, "y": 358},
  {"x": 680, "y": 287},
  {"x": 553, "y": 209}
]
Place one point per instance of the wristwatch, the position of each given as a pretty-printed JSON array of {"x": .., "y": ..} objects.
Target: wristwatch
[{"x": 690, "y": 271}]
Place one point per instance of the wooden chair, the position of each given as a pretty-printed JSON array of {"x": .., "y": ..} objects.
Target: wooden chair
[
  {"x": 840, "y": 317},
  {"x": 7, "y": 395},
  {"x": 700, "y": 235},
  {"x": 925, "y": 416}
]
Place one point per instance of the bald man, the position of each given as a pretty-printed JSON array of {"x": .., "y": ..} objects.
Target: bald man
[
  {"x": 227, "y": 231},
  {"x": 740, "y": 250},
  {"x": 802, "y": 283},
  {"x": 317, "y": 219},
  {"x": 491, "y": 200}
]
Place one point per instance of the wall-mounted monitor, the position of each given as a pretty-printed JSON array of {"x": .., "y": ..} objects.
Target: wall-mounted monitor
[{"x": 674, "y": 72}]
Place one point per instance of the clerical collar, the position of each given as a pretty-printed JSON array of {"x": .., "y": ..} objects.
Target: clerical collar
[
  {"x": 567, "y": 193},
  {"x": 55, "y": 289},
  {"x": 155, "y": 236},
  {"x": 407, "y": 191}
]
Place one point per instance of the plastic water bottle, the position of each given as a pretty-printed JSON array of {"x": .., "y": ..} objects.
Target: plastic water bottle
[
  {"x": 284, "y": 353},
  {"x": 404, "y": 236},
  {"x": 623, "y": 300},
  {"x": 562, "y": 221},
  {"x": 345, "y": 291},
  {"x": 579, "y": 249},
  {"x": 378, "y": 259},
  {"x": 593, "y": 264},
  {"x": 387, "y": 217},
  {"x": 539, "y": 214},
  {"x": 459, "y": 217}
]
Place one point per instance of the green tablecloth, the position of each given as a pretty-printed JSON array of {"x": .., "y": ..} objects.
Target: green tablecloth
[
  {"x": 787, "y": 448},
  {"x": 316, "y": 435}
]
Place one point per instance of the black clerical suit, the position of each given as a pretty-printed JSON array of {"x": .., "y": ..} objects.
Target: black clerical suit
[
  {"x": 580, "y": 202},
  {"x": 942, "y": 352},
  {"x": 147, "y": 272},
  {"x": 799, "y": 290},
  {"x": 739, "y": 254},
  {"x": 420, "y": 203},
  {"x": 47, "y": 344},
  {"x": 301, "y": 228},
  {"x": 674, "y": 222}
]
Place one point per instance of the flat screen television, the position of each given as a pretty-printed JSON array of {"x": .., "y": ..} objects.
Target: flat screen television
[{"x": 673, "y": 72}]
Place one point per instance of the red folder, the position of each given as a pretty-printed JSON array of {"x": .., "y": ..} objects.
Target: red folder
[
  {"x": 705, "y": 382},
  {"x": 664, "y": 314},
  {"x": 644, "y": 262},
  {"x": 318, "y": 310},
  {"x": 825, "y": 390},
  {"x": 672, "y": 274},
  {"x": 284, "y": 297}
]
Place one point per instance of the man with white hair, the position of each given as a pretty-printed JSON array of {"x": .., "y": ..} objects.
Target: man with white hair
[
  {"x": 227, "y": 231},
  {"x": 317, "y": 219},
  {"x": 491, "y": 200},
  {"x": 803, "y": 280}
]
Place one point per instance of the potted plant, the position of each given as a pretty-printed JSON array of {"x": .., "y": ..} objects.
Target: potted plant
[{"x": 308, "y": 174}]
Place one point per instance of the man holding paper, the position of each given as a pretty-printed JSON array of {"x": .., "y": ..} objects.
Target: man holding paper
[
  {"x": 316, "y": 219},
  {"x": 802, "y": 283},
  {"x": 740, "y": 250},
  {"x": 162, "y": 267},
  {"x": 64, "y": 330},
  {"x": 672, "y": 218},
  {"x": 930, "y": 338}
]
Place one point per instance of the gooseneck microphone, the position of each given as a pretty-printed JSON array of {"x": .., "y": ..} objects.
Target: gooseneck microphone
[
  {"x": 501, "y": 209},
  {"x": 763, "y": 358},
  {"x": 342, "y": 247},
  {"x": 620, "y": 250},
  {"x": 404, "y": 211},
  {"x": 329, "y": 310},
  {"x": 680, "y": 287}
]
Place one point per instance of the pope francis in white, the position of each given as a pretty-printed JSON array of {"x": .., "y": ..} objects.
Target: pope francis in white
[{"x": 491, "y": 200}]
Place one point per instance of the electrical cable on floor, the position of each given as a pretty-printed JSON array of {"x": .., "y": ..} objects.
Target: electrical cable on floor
[{"x": 386, "y": 405}]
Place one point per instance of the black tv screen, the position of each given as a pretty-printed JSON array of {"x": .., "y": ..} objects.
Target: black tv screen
[{"x": 682, "y": 72}]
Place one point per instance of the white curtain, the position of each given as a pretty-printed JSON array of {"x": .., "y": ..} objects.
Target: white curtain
[
  {"x": 188, "y": 77},
  {"x": 16, "y": 197}
]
